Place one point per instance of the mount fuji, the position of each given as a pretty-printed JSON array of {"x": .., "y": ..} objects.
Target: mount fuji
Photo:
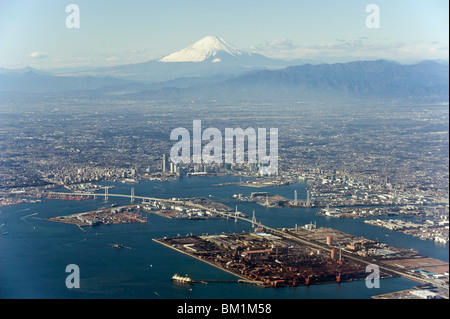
[
  {"x": 209, "y": 60},
  {"x": 209, "y": 57},
  {"x": 210, "y": 48},
  {"x": 213, "y": 68}
]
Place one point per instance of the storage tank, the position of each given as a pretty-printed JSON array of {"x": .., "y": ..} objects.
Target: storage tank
[
  {"x": 334, "y": 254},
  {"x": 329, "y": 240}
]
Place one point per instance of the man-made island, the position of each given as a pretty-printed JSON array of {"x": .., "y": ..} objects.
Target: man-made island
[
  {"x": 306, "y": 255},
  {"x": 174, "y": 208},
  {"x": 105, "y": 216}
]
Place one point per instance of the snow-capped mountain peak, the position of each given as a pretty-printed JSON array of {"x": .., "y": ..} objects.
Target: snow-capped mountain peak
[{"x": 208, "y": 48}]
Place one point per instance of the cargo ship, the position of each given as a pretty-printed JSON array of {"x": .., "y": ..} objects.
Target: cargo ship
[
  {"x": 119, "y": 246},
  {"x": 179, "y": 278}
]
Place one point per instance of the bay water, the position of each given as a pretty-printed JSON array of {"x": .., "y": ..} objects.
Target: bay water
[{"x": 34, "y": 252}]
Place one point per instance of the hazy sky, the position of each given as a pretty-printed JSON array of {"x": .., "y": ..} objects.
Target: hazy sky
[{"x": 34, "y": 33}]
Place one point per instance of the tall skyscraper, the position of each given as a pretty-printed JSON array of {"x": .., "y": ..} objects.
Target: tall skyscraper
[
  {"x": 173, "y": 167},
  {"x": 308, "y": 201},
  {"x": 164, "y": 163}
]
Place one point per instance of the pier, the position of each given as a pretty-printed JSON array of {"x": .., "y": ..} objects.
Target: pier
[{"x": 240, "y": 281}]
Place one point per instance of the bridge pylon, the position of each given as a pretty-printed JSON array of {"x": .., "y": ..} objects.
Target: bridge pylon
[
  {"x": 106, "y": 193},
  {"x": 254, "y": 223}
]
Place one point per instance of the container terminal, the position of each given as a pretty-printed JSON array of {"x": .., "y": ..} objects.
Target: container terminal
[
  {"x": 269, "y": 260},
  {"x": 104, "y": 216},
  {"x": 322, "y": 256}
]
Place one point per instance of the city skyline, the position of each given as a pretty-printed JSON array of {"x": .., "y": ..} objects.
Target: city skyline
[{"x": 36, "y": 35}]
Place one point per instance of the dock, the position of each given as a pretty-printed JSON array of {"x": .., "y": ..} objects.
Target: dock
[{"x": 241, "y": 279}]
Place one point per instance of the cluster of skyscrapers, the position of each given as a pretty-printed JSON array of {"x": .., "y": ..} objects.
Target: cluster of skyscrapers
[{"x": 184, "y": 169}]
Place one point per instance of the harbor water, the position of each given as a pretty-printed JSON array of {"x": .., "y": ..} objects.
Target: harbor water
[{"x": 34, "y": 252}]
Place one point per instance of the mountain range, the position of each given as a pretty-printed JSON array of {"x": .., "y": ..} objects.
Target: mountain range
[{"x": 212, "y": 68}]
